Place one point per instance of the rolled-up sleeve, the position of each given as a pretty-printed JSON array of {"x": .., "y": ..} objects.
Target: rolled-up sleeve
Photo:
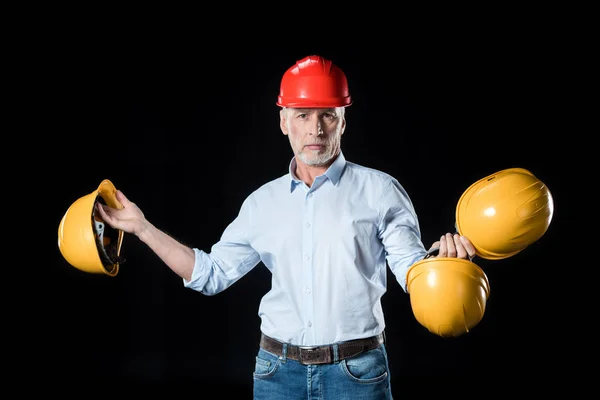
[{"x": 229, "y": 259}]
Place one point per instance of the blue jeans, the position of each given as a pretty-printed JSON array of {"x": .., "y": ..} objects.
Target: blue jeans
[{"x": 365, "y": 376}]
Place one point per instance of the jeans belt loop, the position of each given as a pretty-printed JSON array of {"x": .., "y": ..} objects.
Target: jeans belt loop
[
  {"x": 283, "y": 356},
  {"x": 336, "y": 356}
]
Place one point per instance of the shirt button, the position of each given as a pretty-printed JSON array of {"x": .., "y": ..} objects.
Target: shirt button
[
  {"x": 308, "y": 224},
  {"x": 309, "y": 324},
  {"x": 307, "y": 257},
  {"x": 308, "y": 290}
]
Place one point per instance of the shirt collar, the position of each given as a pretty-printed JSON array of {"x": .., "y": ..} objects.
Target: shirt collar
[{"x": 334, "y": 172}]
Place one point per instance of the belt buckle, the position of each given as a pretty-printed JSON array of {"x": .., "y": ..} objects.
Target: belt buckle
[{"x": 309, "y": 355}]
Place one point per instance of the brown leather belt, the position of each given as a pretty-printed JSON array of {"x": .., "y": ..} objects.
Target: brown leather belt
[{"x": 312, "y": 355}]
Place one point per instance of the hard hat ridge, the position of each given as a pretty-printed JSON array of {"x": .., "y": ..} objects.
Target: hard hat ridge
[{"x": 314, "y": 82}]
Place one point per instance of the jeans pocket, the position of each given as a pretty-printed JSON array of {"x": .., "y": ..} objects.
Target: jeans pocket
[
  {"x": 368, "y": 367},
  {"x": 266, "y": 364}
]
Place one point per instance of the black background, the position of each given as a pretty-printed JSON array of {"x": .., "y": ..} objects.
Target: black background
[{"x": 187, "y": 129}]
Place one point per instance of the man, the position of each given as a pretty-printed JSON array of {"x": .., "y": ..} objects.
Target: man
[{"x": 327, "y": 231}]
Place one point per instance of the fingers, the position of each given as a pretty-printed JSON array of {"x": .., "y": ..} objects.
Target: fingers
[
  {"x": 456, "y": 246},
  {"x": 447, "y": 246},
  {"x": 122, "y": 198},
  {"x": 101, "y": 211},
  {"x": 106, "y": 212},
  {"x": 443, "y": 251},
  {"x": 470, "y": 249}
]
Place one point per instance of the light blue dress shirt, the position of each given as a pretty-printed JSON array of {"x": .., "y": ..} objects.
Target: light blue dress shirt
[{"x": 326, "y": 247}]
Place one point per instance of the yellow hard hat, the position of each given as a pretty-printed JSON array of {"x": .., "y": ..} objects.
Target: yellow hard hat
[
  {"x": 84, "y": 240},
  {"x": 504, "y": 213},
  {"x": 448, "y": 295}
]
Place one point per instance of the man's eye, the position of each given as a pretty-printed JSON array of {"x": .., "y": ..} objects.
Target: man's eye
[{"x": 302, "y": 116}]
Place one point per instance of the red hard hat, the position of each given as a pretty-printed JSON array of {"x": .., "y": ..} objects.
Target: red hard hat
[{"x": 314, "y": 82}]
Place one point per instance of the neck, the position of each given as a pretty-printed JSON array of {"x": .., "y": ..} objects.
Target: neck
[{"x": 308, "y": 173}]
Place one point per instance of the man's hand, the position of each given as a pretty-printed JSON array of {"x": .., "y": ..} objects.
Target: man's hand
[
  {"x": 455, "y": 246},
  {"x": 129, "y": 219}
]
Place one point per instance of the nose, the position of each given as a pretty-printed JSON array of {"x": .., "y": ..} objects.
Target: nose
[{"x": 317, "y": 129}]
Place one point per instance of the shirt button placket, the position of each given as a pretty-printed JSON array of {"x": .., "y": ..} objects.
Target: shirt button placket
[{"x": 307, "y": 275}]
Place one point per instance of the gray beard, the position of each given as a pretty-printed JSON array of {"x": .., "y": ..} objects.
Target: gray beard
[{"x": 318, "y": 161}]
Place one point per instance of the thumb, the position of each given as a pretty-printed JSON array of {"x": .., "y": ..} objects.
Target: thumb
[
  {"x": 435, "y": 245},
  {"x": 122, "y": 198}
]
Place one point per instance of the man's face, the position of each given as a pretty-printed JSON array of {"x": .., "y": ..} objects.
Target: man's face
[{"x": 315, "y": 133}]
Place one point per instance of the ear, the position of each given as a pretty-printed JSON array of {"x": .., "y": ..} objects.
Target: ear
[
  {"x": 343, "y": 126},
  {"x": 283, "y": 122}
]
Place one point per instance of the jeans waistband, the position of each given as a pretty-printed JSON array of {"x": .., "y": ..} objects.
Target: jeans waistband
[{"x": 325, "y": 354}]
